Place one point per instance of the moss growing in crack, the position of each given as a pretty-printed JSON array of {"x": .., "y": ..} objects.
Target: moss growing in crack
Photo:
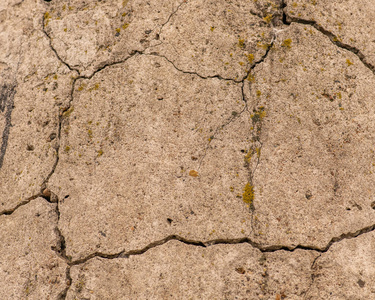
[
  {"x": 68, "y": 112},
  {"x": 248, "y": 194},
  {"x": 248, "y": 157},
  {"x": 258, "y": 114},
  {"x": 268, "y": 18},
  {"x": 258, "y": 151}
]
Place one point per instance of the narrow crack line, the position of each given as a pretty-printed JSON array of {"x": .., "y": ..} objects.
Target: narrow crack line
[
  {"x": 170, "y": 16},
  {"x": 53, "y": 49},
  {"x": 209, "y": 243},
  {"x": 191, "y": 72},
  {"x": 132, "y": 54},
  {"x": 332, "y": 37},
  {"x": 231, "y": 119},
  {"x": 312, "y": 276}
]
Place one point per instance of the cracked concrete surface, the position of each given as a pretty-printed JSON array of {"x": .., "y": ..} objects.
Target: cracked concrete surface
[{"x": 187, "y": 150}]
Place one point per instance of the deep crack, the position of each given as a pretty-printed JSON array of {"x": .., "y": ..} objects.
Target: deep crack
[
  {"x": 287, "y": 20},
  {"x": 261, "y": 248}
]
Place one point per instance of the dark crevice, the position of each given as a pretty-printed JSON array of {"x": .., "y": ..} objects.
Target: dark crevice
[
  {"x": 263, "y": 249},
  {"x": 332, "y": 37},
  {"x": 21, "y": 203},
  {"x": 132, "y": 53},
  {"x": 284, "y": 18},
  {"x": 62, "y": 295}
]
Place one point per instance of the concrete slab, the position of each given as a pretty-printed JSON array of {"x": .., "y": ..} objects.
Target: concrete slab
[{"x": 187, "y": 149}]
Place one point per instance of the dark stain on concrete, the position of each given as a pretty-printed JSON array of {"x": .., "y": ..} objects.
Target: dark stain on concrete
[{"x": 7, "y": 93}]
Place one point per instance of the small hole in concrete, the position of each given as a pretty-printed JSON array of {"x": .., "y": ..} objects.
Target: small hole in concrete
[
  {"x": 308, "y": 195},
  {"x": 30, "y": 148},
  {"x": 373, "y": 205},
  {"x": 169, "y": 220},
  {"x": 66, "y": 197}
]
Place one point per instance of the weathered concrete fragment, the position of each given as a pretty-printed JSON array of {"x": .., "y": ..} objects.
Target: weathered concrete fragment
[
  {"x": 219, "y": 38},
  {"x": 178, "y": 271},
  {"x": 33, "y": 85},
  {"x": 315, "y": 177},
  {"x": 349, "y": 23},
  {"x": 29, "y": 268},
  {"x": 89, "y": 35},
  {"x": 346, "y": 271},
  {"x": 149, "y": 151}
]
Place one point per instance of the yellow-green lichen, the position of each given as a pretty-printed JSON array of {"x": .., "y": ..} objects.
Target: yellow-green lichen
[
  {"x": 248, "y": 194},
  {"x": 248, "y": 156},
  {"x": 287, "y": 43},
  {"x": 68, "y": 112},
  {"x": 67, "y": 149},
  {"x": 268, "y": 18},
  {"x": 100, "y": 152},
  {"x": 348, "y": 62},
  {"x": 82, "y": 86},
  {"x": 250, "y": 58},
  {"x": 241, "y": 43}
]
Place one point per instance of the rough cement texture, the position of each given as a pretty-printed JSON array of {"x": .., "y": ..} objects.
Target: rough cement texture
[{"x": 187, "y": 149}]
